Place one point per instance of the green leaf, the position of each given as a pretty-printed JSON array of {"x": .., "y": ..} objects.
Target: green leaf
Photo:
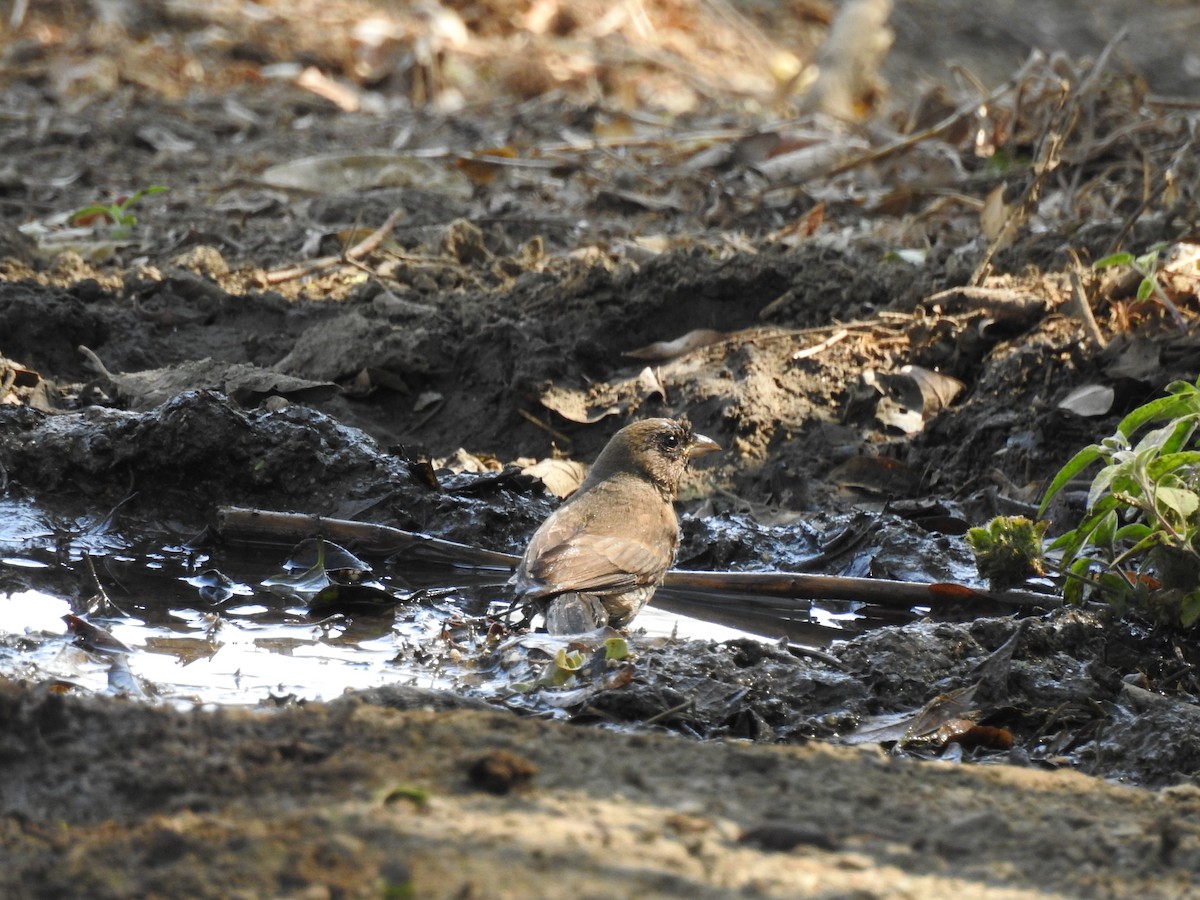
[
  {"x": 1167, "y": 464},
  {"x": 1134, "y": 531},
  {"x": 1073, "y": 587},
  {"x": 1085, "y": 534},
  {"x": 1153, "y": 441},
  {"x": 1145, "y": 289},
  {"x": 1148, "y": 260},
  {"x": 1103, "y": 482},
  {"x": 1114, "y": 259},
  {"x": 1104, "y": 534},
  {"x": 1183, "y": 387},
  {"x": 1074, "y": 466},
  {"x": 1174, "y": 406},
  {"x": 1065, "y": 540},
  {"x": 1189, "y": 609},
  {"x": 616, "y": 648},
  {"x": 1184, "y": 428},
  {"x": 1181, "y": 501}
]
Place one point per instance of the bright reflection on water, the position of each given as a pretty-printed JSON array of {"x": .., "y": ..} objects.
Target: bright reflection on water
[
  {"x": 229, "y": 628},
  {"x": 251, "y": 652},
  {"x": 194, "y": 636}
]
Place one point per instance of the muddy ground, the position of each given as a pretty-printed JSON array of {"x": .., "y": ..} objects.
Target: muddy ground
[{"x": 544, "y": 221}]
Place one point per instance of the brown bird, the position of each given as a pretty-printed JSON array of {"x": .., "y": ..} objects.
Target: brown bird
[{"x": 599, "y": 557}]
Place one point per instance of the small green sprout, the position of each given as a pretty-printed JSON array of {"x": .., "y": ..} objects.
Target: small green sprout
[
  {"x": 117, "y": 213},
  {"x": 1145, "y": 265}
]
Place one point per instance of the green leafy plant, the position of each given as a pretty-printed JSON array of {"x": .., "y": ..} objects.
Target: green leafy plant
[
  {"x": 117, "y": 213},
  {"x": 1138, "y": 545},
  {"x": 1008, "y": 550},
  {"x": 1146, "y": 266}
]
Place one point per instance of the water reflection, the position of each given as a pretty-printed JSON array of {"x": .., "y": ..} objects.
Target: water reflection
[{"x": 236, "y": 627}]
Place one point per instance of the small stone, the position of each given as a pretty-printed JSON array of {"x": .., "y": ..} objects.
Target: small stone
[{"x": 501, "y": 771}]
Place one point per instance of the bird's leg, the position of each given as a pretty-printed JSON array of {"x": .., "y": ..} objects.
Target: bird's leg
[{"x": 574, "y": 613}]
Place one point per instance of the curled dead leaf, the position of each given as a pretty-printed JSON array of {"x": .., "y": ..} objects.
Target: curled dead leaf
[
  {"x": 574, "y": 406},
  {"x": 660, "y": 351},
  {"x": 560, "y": 476}
]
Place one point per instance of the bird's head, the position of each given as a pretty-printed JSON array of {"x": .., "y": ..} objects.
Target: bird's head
[{"x": 656, "y": 449}]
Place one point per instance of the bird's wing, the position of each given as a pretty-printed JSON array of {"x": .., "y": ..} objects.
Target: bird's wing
[{"x": 560, "y": 560}]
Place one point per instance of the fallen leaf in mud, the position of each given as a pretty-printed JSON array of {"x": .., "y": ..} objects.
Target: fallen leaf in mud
[
  {"x": 931, "y": 514},
  {"x": 186, "y": 650},
  {"x": 618, "y": 198},
  {"x": 743, "y": 151},
  {"x": 560, "y": 476},
  {"x": 913, "y": 724},
  {"x": 20, "y": 386},
  {"x": 661, "y": 351},
  {"x": 215, "y": 587},
  {"x": 93, "y": 637},
  {"x": 573, "y": 405},
  {"x": 358, "y": 598},
  {"x": 930, "y": 391},
  {"x": 800, "y": 229},
  {"x": 877, "y": 474},
  {"x": 1089, "y": 400},
  {"x": 972, "y": 736},
  {"x": 994, "y": 216},
  {"x": 162, "y": 139},
  {"x": 121, "y": 679},
  {"x": 907, "y": 399},
  {"x": 1139, "y": 358},
  {"x": 343, "y": 96},
  {"x": 427, "y": 400},
  {"x": 245, "y": 384},
  {"x": 605, "y": 399},
  {"x": 334, "y": 173},
  {"x": 318, "y": 564}
]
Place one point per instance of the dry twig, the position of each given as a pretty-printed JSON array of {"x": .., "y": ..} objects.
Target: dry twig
[{"x": 367, "y": 245}]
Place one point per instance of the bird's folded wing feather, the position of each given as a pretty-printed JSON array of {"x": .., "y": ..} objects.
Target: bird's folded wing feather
[{"x": 599, "y": 562}]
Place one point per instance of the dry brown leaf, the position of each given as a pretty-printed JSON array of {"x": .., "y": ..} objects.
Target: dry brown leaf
[
  {"x": 995, "y": 215},
  {"x": 483, "y": 167},
  {"x": 661, "y": 351},
  {"x": 341, "y": 95},
  {"x": 574, "y": 406},
  {"x": 811, "y": 162},
  {"x": 560, "y": 476}
]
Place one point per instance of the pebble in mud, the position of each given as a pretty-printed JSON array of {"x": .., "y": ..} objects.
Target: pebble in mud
[{"x": 501, "y": 772}]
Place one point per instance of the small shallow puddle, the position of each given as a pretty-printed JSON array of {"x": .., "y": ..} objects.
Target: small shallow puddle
[{"x": 195, "y": 637}]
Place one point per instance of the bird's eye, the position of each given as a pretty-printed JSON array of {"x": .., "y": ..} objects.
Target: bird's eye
[{"x": 670, "y": 441}]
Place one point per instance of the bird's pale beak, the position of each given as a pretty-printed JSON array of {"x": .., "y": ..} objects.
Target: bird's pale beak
[{"x": 701, "y": 445}]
